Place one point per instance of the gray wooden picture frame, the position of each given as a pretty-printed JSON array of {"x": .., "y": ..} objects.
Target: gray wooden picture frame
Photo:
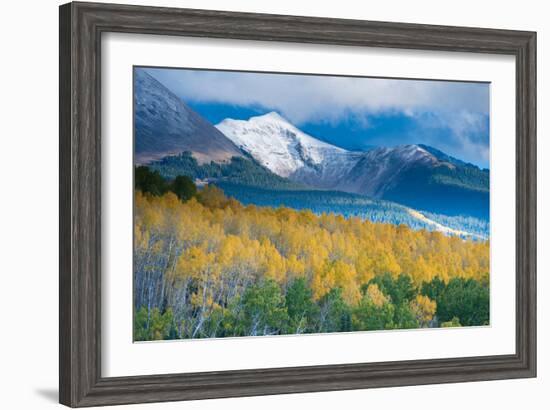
[{"x": 81, "y": 28}]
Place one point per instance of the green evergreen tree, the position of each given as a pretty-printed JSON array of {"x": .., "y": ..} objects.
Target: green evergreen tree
[
  {"x": 400, "y": 290},
  {"x": 334, "y": 314},
  {"x": 466, "y": 299},
  {"x": 404, "y": 318},
  {"x": 301, "y": 307},
  {"x": 148, "y": 181},
  {"x": 263, "y": 310},
  {"x": 369, "y": 316},
  {"x": 183, "y": 187},
  {"x": 433, "y": 289}
]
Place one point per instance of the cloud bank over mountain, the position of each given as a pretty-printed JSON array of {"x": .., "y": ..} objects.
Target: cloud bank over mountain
[{"x": 450, "y": 115}]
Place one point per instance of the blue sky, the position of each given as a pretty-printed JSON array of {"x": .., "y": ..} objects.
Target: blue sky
[{"x": 350, "y": 112}]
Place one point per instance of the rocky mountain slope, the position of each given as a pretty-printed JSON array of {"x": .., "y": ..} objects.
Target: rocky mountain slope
[{"x": 165, "y": 125}]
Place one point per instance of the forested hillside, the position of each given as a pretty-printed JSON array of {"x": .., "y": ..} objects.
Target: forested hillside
[
  {"x": 444, "y": 190},
  {"x": 250, "y": 183},
  {"x": 353, "y": 205},
  {"x": 207, "y": 266},
  {"x": 239, "y": 170}
]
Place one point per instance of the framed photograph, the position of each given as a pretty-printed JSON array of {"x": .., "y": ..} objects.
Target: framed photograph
[{"x": 261, "y": 204}]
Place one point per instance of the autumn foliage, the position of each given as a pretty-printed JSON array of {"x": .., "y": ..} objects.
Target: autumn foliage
[{"x": 211, "y": 267}]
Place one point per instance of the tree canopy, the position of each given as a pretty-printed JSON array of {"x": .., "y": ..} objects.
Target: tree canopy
[{"x": 207, "y": 266}]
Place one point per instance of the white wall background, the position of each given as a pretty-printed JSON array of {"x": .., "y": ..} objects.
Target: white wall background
[{"x": 29, "y": 203}]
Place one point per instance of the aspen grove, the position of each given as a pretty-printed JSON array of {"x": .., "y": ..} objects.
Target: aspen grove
[{"x": 207, "y": 266}]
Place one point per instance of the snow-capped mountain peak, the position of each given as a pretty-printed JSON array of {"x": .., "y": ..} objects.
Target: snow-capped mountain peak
[
  {"x": 277, "y": 144},
  {"x": 397, "y": 173},
  {"x": 273, "y": 116}
]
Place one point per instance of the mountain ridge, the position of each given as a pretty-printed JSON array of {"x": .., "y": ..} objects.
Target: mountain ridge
[
  {"x": 165, "y": 125},
  {"x": 269, "y": 150},
  {"x": 414, "y": 174}
]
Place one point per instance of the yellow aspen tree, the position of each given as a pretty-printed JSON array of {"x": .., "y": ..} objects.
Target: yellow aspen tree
[
  {"x": 375, "y": 295},
  {"x": 424, "y": 309}
]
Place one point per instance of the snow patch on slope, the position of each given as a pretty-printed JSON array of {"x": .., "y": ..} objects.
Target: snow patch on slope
[{"x": 442, "y": 228}]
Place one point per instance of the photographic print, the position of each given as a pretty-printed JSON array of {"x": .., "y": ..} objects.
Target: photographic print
[{"x": 273, "y": 204}]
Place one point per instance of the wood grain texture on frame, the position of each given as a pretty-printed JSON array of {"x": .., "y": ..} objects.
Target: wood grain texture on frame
[{"x": 81, "y": 26}]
